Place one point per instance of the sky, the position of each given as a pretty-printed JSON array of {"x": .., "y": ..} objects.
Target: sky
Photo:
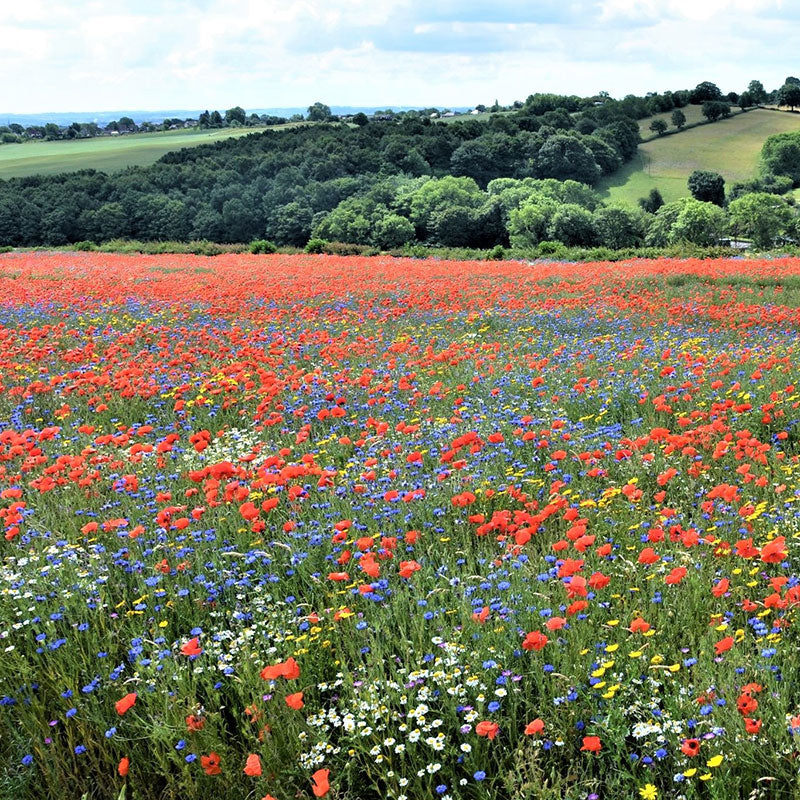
[{"x": 93, "y": 55}]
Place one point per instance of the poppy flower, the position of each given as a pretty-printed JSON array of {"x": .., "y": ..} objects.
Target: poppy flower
[
  {"x": 534, "y": 727},
  {"x": 211, "y": 764},
  {"x": 192, "y": 647},
  {"x": 775, "y": 551},
  {"x": 487, "y": 729},
  {"x": 724, "y": 645},
  {"x": 295, "y": 700},
  {"x": 591, "y": 744},
  {"x": 194, "y": 723},
  {"x": 752, "y": 725},
  {"x": 319, "y": 782},
  {"x": 690, "y": 747},
  {"x": 126, "y": 703},
  {"x": 253, "y": 765},
  {"x": 535, "y": 640},
  {"x": 123, "y": 766}
]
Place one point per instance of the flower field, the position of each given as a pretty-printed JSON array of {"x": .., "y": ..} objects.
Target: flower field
[{"x": 304, "y": 526}]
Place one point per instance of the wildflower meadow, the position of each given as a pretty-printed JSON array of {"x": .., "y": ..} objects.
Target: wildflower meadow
[{"x": 286, "y": 527}]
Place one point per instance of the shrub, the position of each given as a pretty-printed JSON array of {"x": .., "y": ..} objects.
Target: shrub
[
  {"x": 263, "y": 246},
  {"x": 316, "y": 246}
]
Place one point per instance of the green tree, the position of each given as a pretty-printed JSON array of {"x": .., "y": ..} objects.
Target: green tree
[
  {"x": 236, "y": 115},
  {"x": 527, "y": 224},
  {"x": 698, "y": 222},
  {"x": 707, "y": 186},
  {"x": 688, "y": 220},
  {"x": 392, "y": 231},
  {"x": 565, "y": 157},
  {"x": 757, "y": 92},
  {"x": 745, "y": 101},
  {"x": 705, "y": 91},
  {"x": 678, "y": 118},
  {"x": 789, "y": 95},
  {"x": 780, "y": 155},
  {"x": 437, "y": 195},
  {"x": 319, "y": 112},
  {"x": 360, "y": 119},
  {"x": 606, "y": 156},
  {"x": 572, "y": 225},
  {"x": 761, "y": 216},
  {"x": 713, "y": 110},
  {"x": 659, "y": 126},
  {"x": 618, "y": 226},
  {"x": 652, "y": 202}
]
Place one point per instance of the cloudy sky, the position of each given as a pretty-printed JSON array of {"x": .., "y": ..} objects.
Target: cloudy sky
[{"x": 85, "y": 55}]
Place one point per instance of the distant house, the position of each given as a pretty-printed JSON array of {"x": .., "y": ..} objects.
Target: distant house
[
  {"x": 474, "y": 111},
  {"x": 449, "y": 114}
]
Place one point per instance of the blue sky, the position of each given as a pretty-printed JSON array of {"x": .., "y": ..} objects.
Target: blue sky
[{"x": 83, "y": 55}]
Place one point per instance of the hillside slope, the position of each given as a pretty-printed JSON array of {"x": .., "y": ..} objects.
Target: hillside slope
[
  {"x": 730, "y": 147},
  {"x": 104, "y": 153}
]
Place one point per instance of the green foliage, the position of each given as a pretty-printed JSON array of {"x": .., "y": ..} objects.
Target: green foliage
[
  {"x": 687, "y": 220},
  {"x": 760, "y": 216},
  {"x": 715, "y": 109},
  {"x": 652, "y": 202},
  {"x": 659, "y": 126},
  {"x": 618, "y": 226},
  {"x": 781, "y": 156},
  {"x": 316, "y": 246},
  {"x": 572, "y": 225},
  {"x": 704, "y": 92},
  {"x": 565, "y": 157},
  {"x": 319, "y": 112},
  {"x": 707, "y": 186},
  {"x": 678, "y": 118},
  {"x": 789, "y": 95},
  {"x": 263, "y": 246}
]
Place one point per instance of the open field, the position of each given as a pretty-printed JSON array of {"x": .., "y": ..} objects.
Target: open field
[
  {"x": 360, "y": 528},
  {"x": 731, "y": 147},
  {"x": 693, "y": 114},
  {"x": 104, "y": 153}
]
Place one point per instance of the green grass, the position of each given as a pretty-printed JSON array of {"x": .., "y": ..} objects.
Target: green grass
[
  {"x": 106, "y": 153},
  {"x": 730, "y": 147},
  {"x": 693, "y": 114}
]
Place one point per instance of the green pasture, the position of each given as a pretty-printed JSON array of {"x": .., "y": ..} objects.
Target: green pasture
[
  {"x": 731, "y": 147},
  {"x": 106, "y": 153}
]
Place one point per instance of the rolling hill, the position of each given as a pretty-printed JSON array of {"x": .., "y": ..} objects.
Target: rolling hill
[
  {"x": 106, "y": 153},
  {"x": 730, "y": 147}
]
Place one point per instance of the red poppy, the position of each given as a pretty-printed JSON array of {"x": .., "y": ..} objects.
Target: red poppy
[
  {"x": 319, "y": 782},
  {"x": 192, "y": 647},
  {"x": 487, "y": 729},
  {"x": 690, "y": 747},
  {"x": 194, "y": 723},
  {"x": 724, "y": 645},
  {"x": 211, "y": 764},
  {"x": 775, "y": 551},
  {"x": 123, "y": 766},
  {"x": 535, "y": 640},
  {"x": 591, "y": 744},
  {"x": 253, "y": 765},
  {"x": 295, "y": 700},
  {"x": 752, "y": 725},
  {"x": 534, "y": 727},
  {"x": 126, "y": 703}
]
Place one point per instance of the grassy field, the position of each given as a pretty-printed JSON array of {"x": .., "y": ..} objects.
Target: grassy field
[
  {"x": 107, "y": 153},
  {"x": 693, "y": 114},
  {"x": 730, "y": 147}
]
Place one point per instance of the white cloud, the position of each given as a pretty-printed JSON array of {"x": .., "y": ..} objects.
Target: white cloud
[{"x": 170, "y": 54}]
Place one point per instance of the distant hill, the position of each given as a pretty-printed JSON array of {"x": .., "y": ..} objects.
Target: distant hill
[
  {"x": 139, "y": 116},
  {"x": 731, "y": 147}
]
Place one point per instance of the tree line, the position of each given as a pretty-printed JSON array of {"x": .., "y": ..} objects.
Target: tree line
[{"x": 516, "y": 179}]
